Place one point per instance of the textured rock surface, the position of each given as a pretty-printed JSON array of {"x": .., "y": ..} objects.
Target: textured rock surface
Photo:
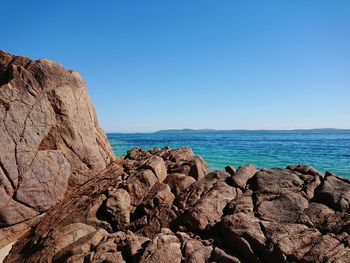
[
  {"x": 128, "y": 213},
  {"x": 50, "y": 140}
]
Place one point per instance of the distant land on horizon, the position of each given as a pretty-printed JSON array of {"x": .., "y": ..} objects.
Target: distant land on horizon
[{"x": 186, "y": 130}]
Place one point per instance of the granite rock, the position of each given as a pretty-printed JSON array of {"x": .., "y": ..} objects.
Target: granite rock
[{"x": 50, "y": 140}]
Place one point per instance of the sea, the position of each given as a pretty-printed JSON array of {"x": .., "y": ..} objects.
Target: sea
[{"x": 325, "y": 149}]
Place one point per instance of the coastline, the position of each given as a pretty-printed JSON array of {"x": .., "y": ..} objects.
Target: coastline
[{"x": 326, "y": 150}]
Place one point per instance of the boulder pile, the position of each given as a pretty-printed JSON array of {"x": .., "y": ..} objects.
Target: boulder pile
[{"x": 162, "y": 205}]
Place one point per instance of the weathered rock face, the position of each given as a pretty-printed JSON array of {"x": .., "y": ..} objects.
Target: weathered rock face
[
  {"x": 130, "y": 213},
  {"x": 50, "y": 140},
  {"x": 130, "y": 195}
]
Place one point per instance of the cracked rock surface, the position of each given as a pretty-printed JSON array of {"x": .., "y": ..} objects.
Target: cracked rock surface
[
  {"x": 130, "y": 213},
  {"x": 50, "y": 140}
]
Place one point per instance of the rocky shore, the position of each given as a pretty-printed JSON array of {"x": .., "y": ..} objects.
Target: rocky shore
[{"x": 64, "y": 197}]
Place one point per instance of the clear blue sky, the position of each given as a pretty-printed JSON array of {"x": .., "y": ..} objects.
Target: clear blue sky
[{"x": 153, "y": 65}]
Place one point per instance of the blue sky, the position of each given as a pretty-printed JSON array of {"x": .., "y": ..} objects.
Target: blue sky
[{"x": 153, "y": 65}]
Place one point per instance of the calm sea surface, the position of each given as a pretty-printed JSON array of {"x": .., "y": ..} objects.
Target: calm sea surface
[{"x": 325, "y": 150}]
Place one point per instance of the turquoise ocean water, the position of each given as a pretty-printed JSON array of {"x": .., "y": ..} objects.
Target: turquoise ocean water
[{"x": 325, "y": 149}]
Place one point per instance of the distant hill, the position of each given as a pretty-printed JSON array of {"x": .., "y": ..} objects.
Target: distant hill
[
  {"x": 185, "y": 130},
  {"x": 242, "y": 130}
]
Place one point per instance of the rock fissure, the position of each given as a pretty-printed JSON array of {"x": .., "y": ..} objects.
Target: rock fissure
[
  {"x": 3, "y": 168},
  {"x": 5, "y": 104},
  {"x": 74, "y": 152}
]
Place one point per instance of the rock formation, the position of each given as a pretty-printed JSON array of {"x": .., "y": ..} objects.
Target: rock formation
[
  {"x": 50, "y": 140},
  {"x": 140, "y": 210},
  {"x": 160, "y": 205}
]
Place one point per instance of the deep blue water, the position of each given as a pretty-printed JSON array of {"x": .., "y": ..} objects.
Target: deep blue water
[{"x": 324, "y": 150}]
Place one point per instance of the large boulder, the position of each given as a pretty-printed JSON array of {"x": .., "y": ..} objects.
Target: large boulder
[
  {"x": 242, "y": 175},
  {"x": 335, "y": 193},
  {"x": 204, "y": 201},
  {"x": 50, "y": 140}
]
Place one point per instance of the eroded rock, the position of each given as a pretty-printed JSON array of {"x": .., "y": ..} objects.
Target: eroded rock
[
  {"x": 164, "y": 248},
  {"x": 50, "y": 140},
  {"x": 335, "y": 193},
  {"x": 179, "y": 182},
  {"x": 204, "y": 201},
  {"x": 242, "y": 175}
]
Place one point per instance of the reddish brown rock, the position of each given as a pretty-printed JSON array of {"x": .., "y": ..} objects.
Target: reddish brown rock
[
  {"x": 204, "y": 201},
  {"x": 49, "y": 136},
  {"x": 182, "y": 160},
  {"x": 276, "y": 181},
  {"x": 178, "y": 182},
  {"x": 242, "y": 232},
  {"x": 328, "y": 248},
  {"x": 38, "y": 188},
  {"x": 12, "y": 212},
  {"x": 12, "y": 233},
  {"x": 118, "y": 208},
  {"x": 317, "y": 214},
  {"x": 287, "y": 207},
  {"x": 81, "y": 246},
  {"x": 198, "y": 168},
  {"x": 242, "y": 175},
  {"x": 137, "y": 154},
  {"x": 335, "y": 193},
  {"x": 242, "y": 203},
  {"x": 290, "y": 242},
  {"x": 179, "y": 155},
  {"x": 157, "y": 165},
  {"x": 219, "y": 255},
  {"x": 139, "y": 184},
  {"x": 156, "y": 211},
  {"x": 195, "y": 251},
  {"x": 304, "y": 169},
  {"x": 164, "y": 248}
]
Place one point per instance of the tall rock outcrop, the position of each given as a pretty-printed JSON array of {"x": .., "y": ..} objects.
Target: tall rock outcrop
[{"x": 50, "y": 140}]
